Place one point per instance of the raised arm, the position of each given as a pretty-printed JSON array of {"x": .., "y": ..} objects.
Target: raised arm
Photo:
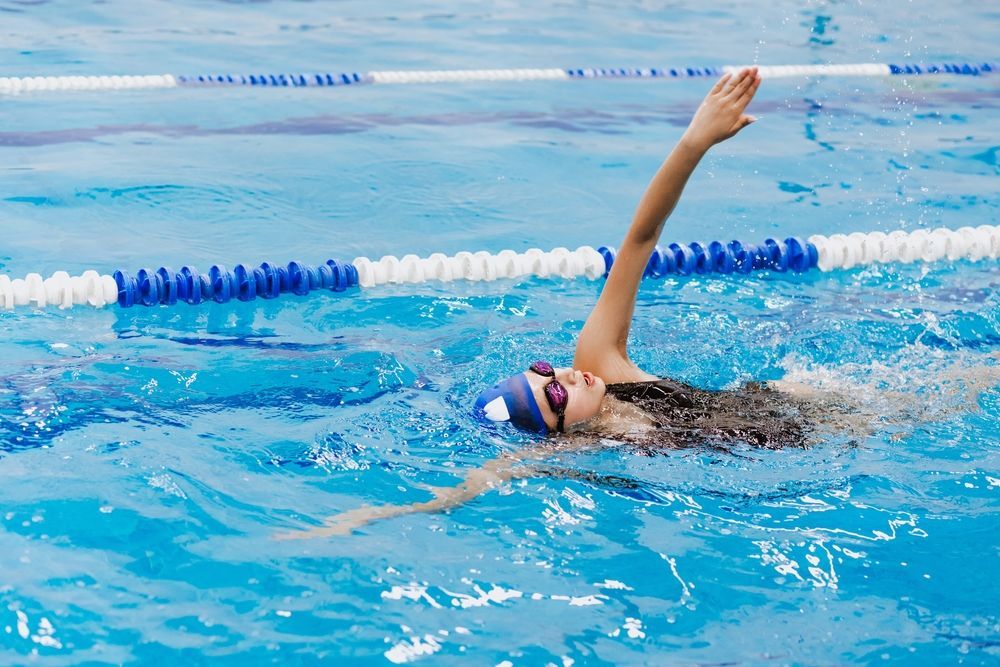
[{"x": 601, "y": 347}]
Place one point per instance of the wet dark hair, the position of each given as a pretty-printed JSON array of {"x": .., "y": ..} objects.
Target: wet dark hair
[{"x": 684, "y": 416}]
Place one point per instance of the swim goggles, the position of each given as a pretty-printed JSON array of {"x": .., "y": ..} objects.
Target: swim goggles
[{"x": 555, "y": 393}]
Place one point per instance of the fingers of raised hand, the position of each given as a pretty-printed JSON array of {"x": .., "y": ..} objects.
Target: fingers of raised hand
[
  {"x": 737, "y": 79},
  {"x": 721, "y": 82},
  {"x": 739, "y": 101},
  {"x": 741, "y": 98},
  {"x": 732, "y": 82},
  {"x": 753, "y": 87},
  {"x": 746, "y": 79}
]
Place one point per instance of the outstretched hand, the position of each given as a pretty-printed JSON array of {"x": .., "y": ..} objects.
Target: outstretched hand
[
  {"x": 478, "y": 480},
  {"x": 720, "y": 115},
  {"x": 341, "y": 524}
]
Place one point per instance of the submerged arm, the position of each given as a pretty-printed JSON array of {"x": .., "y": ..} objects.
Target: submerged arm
[
  {"x": 477, "y": 481},
  {"x": 602, "y": 343}
]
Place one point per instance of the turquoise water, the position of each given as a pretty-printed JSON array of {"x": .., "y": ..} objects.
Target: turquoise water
[{"x": 148, "y": 456}]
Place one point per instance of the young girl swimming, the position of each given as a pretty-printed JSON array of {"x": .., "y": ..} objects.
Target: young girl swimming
[
  {"x": 605, "y": 393},
  {"x": 605, "y": 389},
  {"x": 605, "y": 399}
]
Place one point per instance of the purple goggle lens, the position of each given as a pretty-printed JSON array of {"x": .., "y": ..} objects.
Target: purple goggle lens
[{"x": 555, "y": 393}]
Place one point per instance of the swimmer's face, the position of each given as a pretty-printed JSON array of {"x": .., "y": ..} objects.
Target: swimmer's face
[{"x": 586, "y": 394}]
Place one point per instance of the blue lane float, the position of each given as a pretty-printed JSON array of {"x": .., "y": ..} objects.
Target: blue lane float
[
  {"x": 244, "y": 283},
  {"x": 16, "y": 84},
  {"x": 792, "y": 254},
  {"x": 165, "y": 287}
]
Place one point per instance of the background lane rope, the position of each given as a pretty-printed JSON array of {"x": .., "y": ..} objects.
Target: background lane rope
[{"x": 15, "y": 84}]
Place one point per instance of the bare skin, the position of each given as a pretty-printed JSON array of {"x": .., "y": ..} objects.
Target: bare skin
[{"x": 601, "y": 347}]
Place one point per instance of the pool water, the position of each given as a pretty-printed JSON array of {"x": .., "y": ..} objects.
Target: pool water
[{"x": 149, "y": 456}]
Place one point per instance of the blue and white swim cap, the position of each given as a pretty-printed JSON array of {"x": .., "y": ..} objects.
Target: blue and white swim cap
[{"x": 512, "y": 400}]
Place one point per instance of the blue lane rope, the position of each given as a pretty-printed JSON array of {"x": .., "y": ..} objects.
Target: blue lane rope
[
  {"x": 164, "y": 286},
  {"x": 340, "y": 79},
  {"x": 359, "y": 78},
  {"x": 267, "y": 281}
]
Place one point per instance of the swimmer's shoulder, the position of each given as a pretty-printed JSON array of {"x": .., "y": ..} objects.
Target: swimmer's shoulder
[{"x": 613, "y": 369}]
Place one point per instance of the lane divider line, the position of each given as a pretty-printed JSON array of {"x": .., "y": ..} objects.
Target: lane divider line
[
  {"x": 164, "y": 286},
  {"x": 26, "y": 84}
]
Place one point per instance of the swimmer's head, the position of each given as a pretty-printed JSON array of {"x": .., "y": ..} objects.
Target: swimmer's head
[{"x": 543, "y": 399}]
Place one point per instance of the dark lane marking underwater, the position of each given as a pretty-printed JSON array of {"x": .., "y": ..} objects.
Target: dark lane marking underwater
[{"x": 568, "y": 120}]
